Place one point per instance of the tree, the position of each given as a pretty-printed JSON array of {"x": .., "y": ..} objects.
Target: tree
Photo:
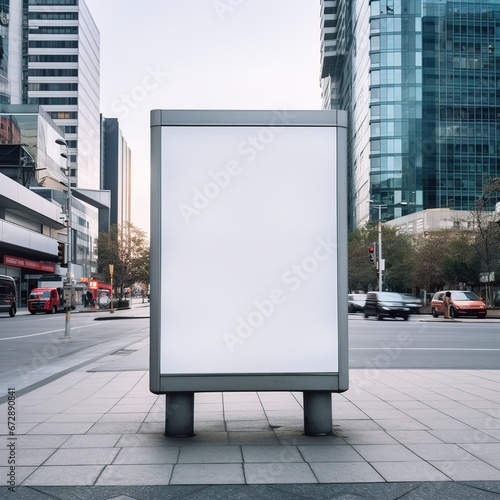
[
  {"x": 398, "y": 253},
  {"x": 127, "y": 248},
  {"x": 362, "y": 275},
  {"x": 487, "y": 226},
  {"x": 445, "y": 258}
]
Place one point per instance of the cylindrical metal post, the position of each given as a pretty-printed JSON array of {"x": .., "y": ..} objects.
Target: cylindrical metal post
[
  {"x": 379, "y": 256},
  {"x": 179, "y": 414},
  {"x": 317, "y": 413}
]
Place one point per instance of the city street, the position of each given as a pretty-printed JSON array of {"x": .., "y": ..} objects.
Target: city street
[
  {"x": 423, "y": 342},
  {"x": 33, "y": 348},
  {"x": 85, "y": 417}
]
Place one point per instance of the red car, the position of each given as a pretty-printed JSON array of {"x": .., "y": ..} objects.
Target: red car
[{"x": 463, "y": 303}]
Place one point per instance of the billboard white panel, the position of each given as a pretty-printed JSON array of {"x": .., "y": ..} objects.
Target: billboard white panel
[{"x": 245, "y": 250}]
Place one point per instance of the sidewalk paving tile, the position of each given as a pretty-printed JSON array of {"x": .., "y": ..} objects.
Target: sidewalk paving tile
[
  {"x": 247, "y": 425},
  {"x": 141, "y": 440},
  {"x": 333, "y": 453},
  {"x": 405, "y": 437},
  {"x": 409, "y": 471},
  {"x": 485, "y": 451},
  {"x": 434, "y": 452},
  {"x": 295, "y": 438},
  {"x": 345, "y": 472},
  {"x": 400, "y": 424},
  {"x": 83, "y": 456},
  {"x": 109, "y": 427},
  {"x": 147, "y": 455},
  {"x": 67, "y": 475},
  {"x": 272, "y": 453},
  {"x": 353, "y": 425},
  {"x": 471, "y": 470},
  {"x": 207, "y": 426},
  {"x": 371, "y": 437},
  {"x": 386, "y": 453},
  {"x": 69, "y": 418},
  {"x": 150, "y": 474},
  {"x": 60, "y": 428},
  {"x": 463, "y": 436},
  {"x": 481, "y": 423},
  {"x": 32, "y": 441},
  {"x": 443, "y": 423},
  {"x": 123, "y": 417},
  {"x": 252, "y": 438},
  {"x": 22, "y": 472},
  {"x": 278, "y": 472},
  {"x": 152, "y": 427},
  {"x": 210, "y": 454},
  {"x": 208, "y": 474},
  {"x": 92, "y": 441},
  {"x": 25, "y": 457}
]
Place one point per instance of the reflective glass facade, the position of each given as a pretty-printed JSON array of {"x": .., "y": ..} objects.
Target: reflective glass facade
[
  {"x": 421, "y": 83},
  {"x": 62, "y": 69}
]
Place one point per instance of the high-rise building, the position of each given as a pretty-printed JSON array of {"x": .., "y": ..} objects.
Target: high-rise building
[
  {"x": 420, "y": 80},
  {"x": 50, "y": 121},
  {"x": 61, "y": 73},
  {"x": 116, "y": 162}
]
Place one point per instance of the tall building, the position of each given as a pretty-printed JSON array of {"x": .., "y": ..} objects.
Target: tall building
[
  {"x": 420, "y": 80},
  {"x": 61, "y": 73},
  {"x": 116, "y": 163},
  {"x": 50, "y": 126}
]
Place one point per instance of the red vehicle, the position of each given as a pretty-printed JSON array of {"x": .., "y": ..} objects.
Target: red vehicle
[
  {"x": 47, "y": 300},
  {"x": 101, "y": 294}
]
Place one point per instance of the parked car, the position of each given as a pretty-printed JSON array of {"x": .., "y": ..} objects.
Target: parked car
[
  {"x": 463, "y": 303},
  {"x": 386, "y": 305},
  {"x": 46, "y": 300},
  {"x": 356, "y": 302},
  {"x": 8, "y": 295}
]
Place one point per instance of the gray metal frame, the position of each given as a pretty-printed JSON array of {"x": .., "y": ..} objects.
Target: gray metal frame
[{"x": 170, "y": 383}]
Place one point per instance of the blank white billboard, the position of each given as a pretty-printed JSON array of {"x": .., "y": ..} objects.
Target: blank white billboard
[{"x": 248, "y": 250}]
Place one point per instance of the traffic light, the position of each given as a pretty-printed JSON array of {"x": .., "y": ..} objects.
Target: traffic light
[
  {"x": 371, "y": 255},
  {"x": 61, "y": 253}
]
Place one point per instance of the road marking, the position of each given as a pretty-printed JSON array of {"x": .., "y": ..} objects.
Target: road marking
[
  {"x": 46, "y": 333},
  {"x": 421, "y": 349}
]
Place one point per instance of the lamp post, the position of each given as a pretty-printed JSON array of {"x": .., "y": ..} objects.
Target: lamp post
[
  {"x": 111, "y": 269},
  {"x": 380, "y": 260},
  {"x": 67, "y": 302}
]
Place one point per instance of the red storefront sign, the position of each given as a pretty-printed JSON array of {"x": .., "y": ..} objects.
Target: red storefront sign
[{"x": 28, "y": 264}]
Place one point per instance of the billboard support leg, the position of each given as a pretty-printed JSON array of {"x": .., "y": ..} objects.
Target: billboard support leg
[
  {"x": 317, "y": 413},
  {"x": 179, "y": 414}
]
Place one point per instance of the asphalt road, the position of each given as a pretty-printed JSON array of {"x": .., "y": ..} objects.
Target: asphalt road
[
  {"x": 33, "y": 347},
  {"x": 424, "y": 343}
]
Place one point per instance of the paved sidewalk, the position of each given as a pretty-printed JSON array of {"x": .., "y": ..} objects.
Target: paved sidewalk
[{"x": 98, "y": 433}]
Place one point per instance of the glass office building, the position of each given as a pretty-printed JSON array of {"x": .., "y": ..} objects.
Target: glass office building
[
  {"x": 62, "y": 69},
  {"x": 421, "y": 82}
]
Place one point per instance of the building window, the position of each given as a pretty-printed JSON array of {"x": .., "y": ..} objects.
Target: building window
[{"x": 53, "y": 44}]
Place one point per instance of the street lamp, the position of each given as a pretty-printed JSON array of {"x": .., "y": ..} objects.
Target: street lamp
[
  {"x": 111, "y": 269},
  {"x": 67, "y": 302},
  {"x": 380, "y": 260}
]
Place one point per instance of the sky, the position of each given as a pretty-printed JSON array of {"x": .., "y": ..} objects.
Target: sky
[{"x": 202, "y": 54}]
